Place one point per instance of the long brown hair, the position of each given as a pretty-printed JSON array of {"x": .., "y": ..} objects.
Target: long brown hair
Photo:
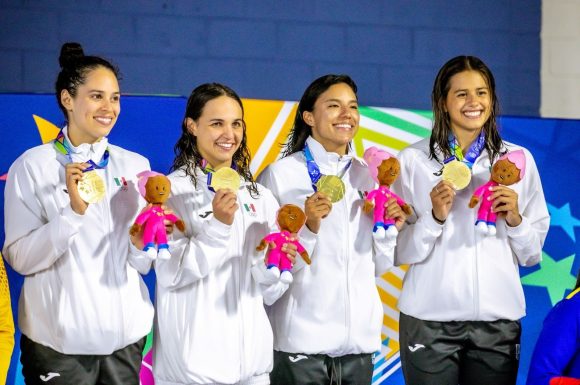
[
  {"x": 187, "y": 154},
  {"x": 441, "y": 122}
]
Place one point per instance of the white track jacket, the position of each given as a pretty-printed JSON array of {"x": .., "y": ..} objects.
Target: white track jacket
[
  {"x": 211, "y": 323},
  {"x": 81, "y": 294},
  {"x": 333, "y": 306},
  {"x": 456, "y": 273}
]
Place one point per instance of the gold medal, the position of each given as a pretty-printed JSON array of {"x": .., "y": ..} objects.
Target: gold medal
[
  {"x": 225, "y": 178},
  {"x": 91, "y": 187},
  {"x": 332, "y": 186},
  {"x": 457, "y": 173}
]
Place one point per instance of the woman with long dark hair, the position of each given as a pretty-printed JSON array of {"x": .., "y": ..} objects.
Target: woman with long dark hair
[
  {"x": 462, "y": 299},
  {"x": 328, "y": 324},
  {"x": 211, "y": 325}
]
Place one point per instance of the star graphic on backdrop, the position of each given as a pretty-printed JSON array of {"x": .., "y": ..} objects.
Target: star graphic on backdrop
[
  {"x": 554, "y": 275},
  {"x": 563, "y": 217}
]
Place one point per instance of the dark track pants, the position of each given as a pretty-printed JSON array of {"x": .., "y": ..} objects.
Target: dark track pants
[
  {"x": 320, "y": 369},
  {"x": 465, "y": 353},
  {"x": 43, "y": 365}
]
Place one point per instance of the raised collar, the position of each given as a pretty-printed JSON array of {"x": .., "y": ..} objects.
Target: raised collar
[
  {"x": 329, "y": 162},
  {"x": 86, "y": 151}
]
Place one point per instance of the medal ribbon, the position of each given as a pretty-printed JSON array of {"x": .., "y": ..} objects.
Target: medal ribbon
[
  {"x": 472, "y": 153},
  {"x": 63, "y": 146},
  {"x": 314, "y": 170}
]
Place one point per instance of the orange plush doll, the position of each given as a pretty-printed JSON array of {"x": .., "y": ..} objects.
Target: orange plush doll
[
  {"x": 384, "y": 169},
  {"x": 291, "y": 218},
  {"x": 155, "y": 188},
  {"x": 509, "y": 169}
]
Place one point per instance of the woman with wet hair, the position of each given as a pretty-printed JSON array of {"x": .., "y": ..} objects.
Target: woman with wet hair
[
  {"x": 211, "y": 325},
  {"x": 462, "y": 299}
]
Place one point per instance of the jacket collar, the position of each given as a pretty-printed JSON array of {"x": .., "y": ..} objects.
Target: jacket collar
[
  {"x": 329, "y": 162},
  {"x": 86, "y": 151}
]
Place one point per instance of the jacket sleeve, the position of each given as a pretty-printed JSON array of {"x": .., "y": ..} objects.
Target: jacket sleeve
[
  {"x": 417, "y": 238},
  {"x": 527, "y": 239},
  {"x": 557, "y": 344},
  {"x": 6, "y": 324},
  {"x": 33, "y": 241},
  {"x": 383, "y": 253},
  {"x": 271, "y": 289},
  {"x": 194, "y": 257}
]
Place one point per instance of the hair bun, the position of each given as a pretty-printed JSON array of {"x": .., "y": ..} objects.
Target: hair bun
[{"x": 69, "y": 53}]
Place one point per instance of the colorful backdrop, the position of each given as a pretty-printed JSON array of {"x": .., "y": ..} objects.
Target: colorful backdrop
[{"x": 150, "y": 125}]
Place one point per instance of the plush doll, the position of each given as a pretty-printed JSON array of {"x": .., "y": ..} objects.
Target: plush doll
[
  {"x": 155, "y": 188},
  {"x": 291, "y": 218},
  {"x": 509, "y": 169},
  {"x": 384, "y": 169}
]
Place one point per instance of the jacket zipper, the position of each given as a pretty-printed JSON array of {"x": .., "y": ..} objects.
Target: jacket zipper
[
  {"x": 240, "y": 242},
  {"x": 106, "y": 212}
]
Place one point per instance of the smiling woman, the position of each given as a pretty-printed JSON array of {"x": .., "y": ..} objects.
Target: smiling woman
[
  {"x": 331, "y": 314},
  {"x": 211, "y": 326},
  {"x": 465, "y": 328},
  {"x": 66, "y": 232}
]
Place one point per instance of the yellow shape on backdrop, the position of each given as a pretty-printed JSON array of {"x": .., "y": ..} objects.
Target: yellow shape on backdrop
[
  {"x": 259, "y": 116},
  {"x": 48, "y": 131}
]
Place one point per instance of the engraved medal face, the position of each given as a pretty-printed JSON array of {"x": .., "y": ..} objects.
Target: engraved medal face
[
  {"x": 457, "y": 173},
  {"x": 225, "y": 178},
  {"x": 91, "y": 187},
  {"x": 332, "y": 186}
]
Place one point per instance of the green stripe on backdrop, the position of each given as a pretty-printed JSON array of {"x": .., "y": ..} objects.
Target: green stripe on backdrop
[
  {"x": 424, "y": 113},
  {"x": 396, "y": 122},
  {"x": 375, "y": 137}
]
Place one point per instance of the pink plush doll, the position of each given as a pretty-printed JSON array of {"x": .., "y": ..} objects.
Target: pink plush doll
[
  {"x": 155, "y": 188},
  {"x": 291, "y": 218},
  {"x": 509, "y": 169},
  {"x": 384, "y": 169}
]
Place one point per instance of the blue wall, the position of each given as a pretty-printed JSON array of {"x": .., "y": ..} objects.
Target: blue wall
[{"x": 273, "y": 49}]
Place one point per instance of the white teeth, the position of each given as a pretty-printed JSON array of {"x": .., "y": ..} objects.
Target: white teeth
[
  {"x": 472, "y": 114},
  {"x": 225, "y": 146},
  {"x": 343, "y": 125},
  {"x": 104, "y": 120}
]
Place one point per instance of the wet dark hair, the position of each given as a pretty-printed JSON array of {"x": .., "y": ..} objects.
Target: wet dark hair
[
  {"x": 75, "y": 67},
  {"x": 441, "y": 122},
  {"x": 187, "y": 154},
  {"x": 301, "y": 130}
]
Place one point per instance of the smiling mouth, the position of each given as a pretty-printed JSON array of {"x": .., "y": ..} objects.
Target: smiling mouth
[
  {"x": 344, "y": 126},
  {"x": 473, "y": 114},
  {"x": 105, "y": 121},
  {"x": 225, "y": 146}
]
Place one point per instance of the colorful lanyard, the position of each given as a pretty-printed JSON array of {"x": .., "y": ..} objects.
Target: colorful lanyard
[
  {"x": 63, "y": 146},
  {"x": 314, "y": 170},
  {"x": 472, "y": 153}
]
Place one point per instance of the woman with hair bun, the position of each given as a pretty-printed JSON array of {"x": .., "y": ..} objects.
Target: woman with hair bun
[{"x": 84, "y": 310}]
